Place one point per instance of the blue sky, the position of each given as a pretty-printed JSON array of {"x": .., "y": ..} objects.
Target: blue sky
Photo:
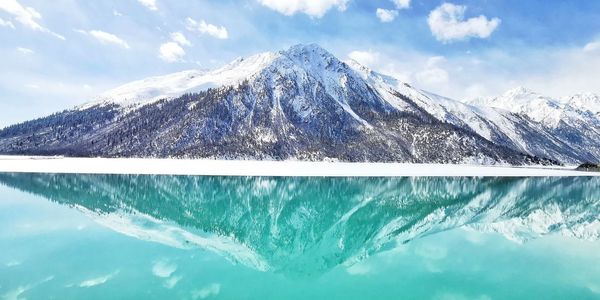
[{"x": 60, "y": 53}]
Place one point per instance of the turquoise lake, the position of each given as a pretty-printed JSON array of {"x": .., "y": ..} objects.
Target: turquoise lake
[{"x": 66, "y": 236}]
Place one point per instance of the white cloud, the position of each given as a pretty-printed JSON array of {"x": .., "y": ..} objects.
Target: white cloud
[
  {"x": 108, "y": 38},
  {"x": 163, "y": 268},
  {"x": 463, "y": 76},
  {"x": 447, "y": 24},
  {"x": 179, "y": 38},
  {"x": 313, "y": 8},
  {"x": 98, "y": 280},
  {"x": 12, "y": 263},
  {"x": 16, "y": 293},
  {"x": 116, "y": 13},
  {"x": 105, "y": 37},
  {"x": 27, "y": 16},
  {"x": 150, "y": 4},
  {"x": 207, "y": 291},
  {"x": 382, "y": 63},
  {"x": 171, "y": 282},
  {"x": 203, "y": 27},
  {"x": 386, "y": 15},
  {"x": 592, "y": 46},
  {"x": 4, "y": 23},
  {"x": 400, "y": 4},
  {"x": 433, "y": 73},
  {"x": 25, "y": 51},
  {"x": 171, "y": 52},
  {"x": 432, "y": 76},
  {"x": 366, "y": 58}
]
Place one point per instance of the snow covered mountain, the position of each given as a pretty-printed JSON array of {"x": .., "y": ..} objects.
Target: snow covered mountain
[
  {"x": 290, "y": 225},
  {"x": 170, "y": 86},
  {"x": 583, "y": 102},
  {"x": 574, "y": 121},
  {"x": 300, "y": 103}
]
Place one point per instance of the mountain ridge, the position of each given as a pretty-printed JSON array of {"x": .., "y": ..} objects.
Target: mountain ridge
[{"x": 301, "y": 103}]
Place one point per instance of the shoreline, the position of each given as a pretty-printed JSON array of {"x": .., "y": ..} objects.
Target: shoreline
[{"x": 206, "y": 167}]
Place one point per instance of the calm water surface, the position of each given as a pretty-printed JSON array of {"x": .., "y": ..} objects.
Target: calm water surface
[{"x": 193, "y": 237}]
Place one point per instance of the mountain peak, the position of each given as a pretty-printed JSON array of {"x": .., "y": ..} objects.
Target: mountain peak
[
  {"x": 519, "y": 91},
  {"x": 311, "y": 56},
  {"x": 585, "y": 101},
  {"x": 300, "y": 49}
]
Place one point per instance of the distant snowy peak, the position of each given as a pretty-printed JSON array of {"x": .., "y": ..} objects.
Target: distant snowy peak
[
  {"x": 541, "y": 108},
  {"x": 585, "y": 101},
  {"x": 526, "y": 102}
]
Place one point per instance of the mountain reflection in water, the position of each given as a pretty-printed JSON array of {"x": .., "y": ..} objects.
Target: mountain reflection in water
[{"x": 303, "y": 226}]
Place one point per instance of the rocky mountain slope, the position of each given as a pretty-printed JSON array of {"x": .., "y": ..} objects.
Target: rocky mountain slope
[
  {"x": 574, "y": 121},
  {"x": 301, "y": 103}
]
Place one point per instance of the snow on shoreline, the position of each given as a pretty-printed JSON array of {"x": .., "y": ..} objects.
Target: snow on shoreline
[{"x": 266, "y": 168}]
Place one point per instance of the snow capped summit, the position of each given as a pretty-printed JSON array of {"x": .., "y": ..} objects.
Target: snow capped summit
[
  {"x": 141, "y": 92},
  {"x": 573, "y": 122},
  {"x": 543, "y": 109},
  {"x": 585, "y": 101},
  {"x": 308, "y": 53},
  {"x": 526, "y": 102}
]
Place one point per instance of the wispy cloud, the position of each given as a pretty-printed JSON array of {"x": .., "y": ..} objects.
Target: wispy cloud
[
  {"x": 105, "y": 37},
  {"x": 207, "y": 291},
  {"x": 25, "y": 51},
  {"x": 203, "y": 27},
  {"x": 179, "y": 38},
  {"x": 366, "y": 58},
  {"x": 447, "y": 23},
  {"x": 163, "y": 268},
  {"x": 172, "y": 281},
  {"x": 16, "y": 293},
  {"x": 32, "y": 86},
  {"x": 173, "y": 51},
  {"x": 386, "y": 15},
  {"x": 401, "y": 4},
  {"x": 313, "y": 8},
  {"x": 150, "y": 4},
  {"x": 592, "y": 46},
  {"x": 433, "y": 73},
  {"x": 26, "y": 16},
  {"x": 98, "y": 280},
  {"x": 4, "y": 23}
]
